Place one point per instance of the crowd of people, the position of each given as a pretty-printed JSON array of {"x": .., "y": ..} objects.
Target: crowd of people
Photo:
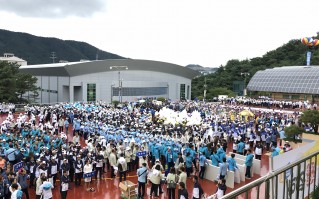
[
  {"x": 267, "y": 102},
  {"x": 130, "y": 138}
]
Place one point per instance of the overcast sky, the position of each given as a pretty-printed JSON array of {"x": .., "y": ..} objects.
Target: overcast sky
[{"x": 204, "y": 32}]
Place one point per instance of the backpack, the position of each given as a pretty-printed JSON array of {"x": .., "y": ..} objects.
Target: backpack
[
  {"x": 120, "y": 167},
  {"x": 171, "y": 185}
]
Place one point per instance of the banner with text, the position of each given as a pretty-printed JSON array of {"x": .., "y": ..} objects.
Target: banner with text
[{"x": 294, "y": 181}]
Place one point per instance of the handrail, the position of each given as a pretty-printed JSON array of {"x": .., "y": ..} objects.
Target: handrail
[{"x": 263, "y": 179}]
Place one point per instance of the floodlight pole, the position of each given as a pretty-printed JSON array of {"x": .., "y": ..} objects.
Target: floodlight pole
[
  {"x": 118, "y": 68},
  {"x": 245, "y": 75},
  {"x": 205, "y": 90}
]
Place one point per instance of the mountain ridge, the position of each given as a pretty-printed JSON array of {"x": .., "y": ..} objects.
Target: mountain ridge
[{"x": 37, "y": 49}]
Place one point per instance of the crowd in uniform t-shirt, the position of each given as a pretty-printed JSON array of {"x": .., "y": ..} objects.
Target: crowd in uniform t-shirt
[{"x": 110, "y": 139}]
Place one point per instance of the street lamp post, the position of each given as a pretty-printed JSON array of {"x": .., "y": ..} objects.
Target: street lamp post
[
  {"x": 119, "y": 68},
  {"x": 245, "y": 75}
]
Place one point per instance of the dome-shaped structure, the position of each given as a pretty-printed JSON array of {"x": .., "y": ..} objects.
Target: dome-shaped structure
[
  {"x": 107, "y": 80},
  {"x": 293, "y": 79}
]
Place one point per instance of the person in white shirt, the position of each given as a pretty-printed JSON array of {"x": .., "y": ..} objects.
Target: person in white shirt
[
  {"x": 197, "y": 190},
  {"x": 46, "y": 190},
  {"x": 76, "y": 138},
  {"x": 87, "y": 169},
  {"x": 14, "y": 189}
]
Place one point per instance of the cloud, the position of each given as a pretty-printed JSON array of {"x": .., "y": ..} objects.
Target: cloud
[{"x": 52, "y": 8}]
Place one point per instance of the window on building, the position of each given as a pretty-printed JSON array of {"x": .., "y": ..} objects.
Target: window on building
[
  {"x": 188, "y": 92},
  {"x": 182, "y": 92},
  {"x": 285, "y": 96},
  {"x": 91, "y": 92},
  {"x": 144, "y": 91},
  {"x": 295, "y": 97}
]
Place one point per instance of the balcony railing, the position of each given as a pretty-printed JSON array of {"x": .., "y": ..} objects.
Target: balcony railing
[{"x": 297, "y": 185}]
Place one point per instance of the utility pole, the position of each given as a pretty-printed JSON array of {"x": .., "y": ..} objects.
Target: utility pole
[
  {"x": 205, "y": 90},
  {"x": 53, "y": 57},
  {"x": 245, "y": 75},
  {"x": 119, "y": 68}
]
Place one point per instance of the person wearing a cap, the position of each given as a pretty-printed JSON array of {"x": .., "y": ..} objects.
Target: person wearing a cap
[
  {"x": 128, "y": 157},
  {"x": 112, "y": 162},
  {"x": 43, "y": 168},
  {"x": 65, "y": 166},
  {"x": 122, "y": 167},
  {"x": 53, "y": 170},
  {"x": 39, "y": 182}
]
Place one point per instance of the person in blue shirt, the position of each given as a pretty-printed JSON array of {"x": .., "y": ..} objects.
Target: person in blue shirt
[
  {"x": 66, "y": 125},
  {"x": 223, "y": 169},
  {"x": 11, "y": 154},
  {"x": 221, "y": 154},
  {"x": 274, "y": 152},
  {"x": 215, "y": 159},
  {"x": 249, "y": 163},
  {"x": 189, "y": 164},
  {"x": 268, "y": 141},
  {"x": 142, "y": 179},
  {"x": 282, "y": 136},
  {"x": 232, "y": 163},
  {"x": 169, "y": 159},
  {"x": 240, "y": 147},
  {"x": 202, "y": 161},
  {"x": 193, "y": 155},
  {"x": 274, "y": 138}
]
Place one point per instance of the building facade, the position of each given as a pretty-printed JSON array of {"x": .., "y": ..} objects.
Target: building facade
[
  {"x": 9, "y": 57},
  {"x": 294, "y": 83},
  {"x": 108, "y": 80}
]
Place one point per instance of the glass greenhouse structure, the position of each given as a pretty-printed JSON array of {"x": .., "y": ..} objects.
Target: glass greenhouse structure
[{"x": 292, "y": 82}]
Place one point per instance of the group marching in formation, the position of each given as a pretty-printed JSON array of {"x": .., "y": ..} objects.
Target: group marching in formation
[{"x": 162, "y": 144}]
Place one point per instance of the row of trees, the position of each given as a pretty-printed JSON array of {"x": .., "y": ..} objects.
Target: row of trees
[
  {"x": 291, "y": 54},
  {"x": 308, "y": 117},
  {"x": 13, "y": 83}
]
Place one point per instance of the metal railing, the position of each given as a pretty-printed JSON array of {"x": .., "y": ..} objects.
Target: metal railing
[{"x": 295, "y": 184}]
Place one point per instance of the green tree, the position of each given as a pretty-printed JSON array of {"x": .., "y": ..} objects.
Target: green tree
[
  {"x": 292, "y": 53},
  {"x": 291, "y": 132},
  {"x": 26, "y": 83},
  {"x": 13, "y": 83},
  {"x": 8, "y": 81},
  {"x": 214, "y": 92},
  {"x": 115, "y": 103},
  {"x": 311, "y": 117},
  {"x": 162, "y": 99}
]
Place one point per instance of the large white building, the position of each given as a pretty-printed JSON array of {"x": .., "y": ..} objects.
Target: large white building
[
  {"x": 108, "y": 80},
  {"x": 9, "y": 57}
]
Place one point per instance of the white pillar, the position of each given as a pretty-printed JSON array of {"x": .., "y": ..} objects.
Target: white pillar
[{"x": 71, "y": 93}]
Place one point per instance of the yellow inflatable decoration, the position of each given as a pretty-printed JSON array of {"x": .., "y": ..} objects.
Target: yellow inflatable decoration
[{"x": 245, "y": 114}]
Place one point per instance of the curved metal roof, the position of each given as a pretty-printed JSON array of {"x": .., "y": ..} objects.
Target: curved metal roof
[
  {"x": 81, "y": 68},
  {"x": 291, "y": 79}
]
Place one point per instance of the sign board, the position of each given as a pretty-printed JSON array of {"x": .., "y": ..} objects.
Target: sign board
[
  {"x": 18, "y": 166},
  {"x": 89, "y": 175},
  {"x": 141, "y": 153},
  {"x": 288, "y": 181}
]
